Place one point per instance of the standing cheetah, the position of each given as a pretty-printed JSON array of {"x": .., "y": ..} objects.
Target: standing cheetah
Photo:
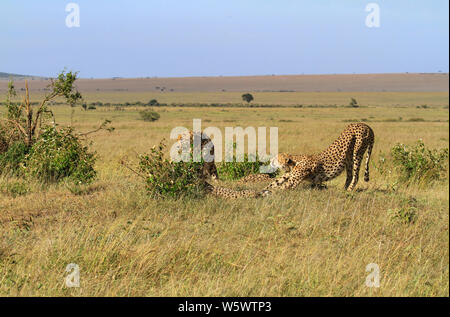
[
  {"x": 286, "y": 161},
  {"x": 345, "y": 153}
]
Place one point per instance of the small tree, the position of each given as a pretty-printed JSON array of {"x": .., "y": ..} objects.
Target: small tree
[
  {"x": 25, "y": 119},
  {"x": 247, "y": 97},
  {"x": 354, "y": 103},
  {"x": 29, "y": 146},
  {"x": 153, "y": 102}
]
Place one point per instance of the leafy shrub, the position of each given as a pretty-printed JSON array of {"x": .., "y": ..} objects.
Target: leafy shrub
[
  {"x": 236, "y": 170},
  {"x": 11, "y": 160},
  {"x": 417, "y": 163},
  {"x": 170, "y": 179},
  {"x": 149, "y": 115},
  {"x": 153, "y": 102},
  {"x": 15, "y": 188},
  {"x": 57, "y": 155},
  {"x": 407, "y": 214}
]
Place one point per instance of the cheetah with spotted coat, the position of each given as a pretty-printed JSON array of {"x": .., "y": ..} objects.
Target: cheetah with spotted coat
[
  {"x": 283, "y": 161},
  {"x": 209, "y": 170},
  {"x": 345, "y": 153},
  {"x": 286, "y": 161},
  {"x": 185, "y": 142}
]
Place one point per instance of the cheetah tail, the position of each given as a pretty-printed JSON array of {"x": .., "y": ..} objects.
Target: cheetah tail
[{"x": 369, "y": 152}]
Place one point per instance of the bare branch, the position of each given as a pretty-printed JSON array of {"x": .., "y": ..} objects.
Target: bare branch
[
  {"x": 122, "y": 162},
  {"x": 101, "y": 127},
  {"x": 21, "y": 129}
]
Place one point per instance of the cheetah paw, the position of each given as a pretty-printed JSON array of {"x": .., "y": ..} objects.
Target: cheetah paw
[{"x": 265, "y": 193}]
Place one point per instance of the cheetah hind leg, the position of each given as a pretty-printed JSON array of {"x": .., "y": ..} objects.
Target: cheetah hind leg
[
  {"x": 358, "y": 154},
  {"x": 349, "y": 169},
  {"x": 369, "y": 152}
]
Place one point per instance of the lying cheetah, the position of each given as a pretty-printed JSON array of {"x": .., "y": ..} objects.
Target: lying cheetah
[
  {"x": 255, "y": 178},
  {"x": 209, "y": 169},
  {"x": 345, "y": 153},
  {"x": 282, "y": 161},
  {"x": 229, "y": 193},
  {"x": 186, "y": 141}
]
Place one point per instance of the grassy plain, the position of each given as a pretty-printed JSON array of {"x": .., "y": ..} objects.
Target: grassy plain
[
  {"x": 302, "y": 242},
  {"x": 389, "y": 99}
]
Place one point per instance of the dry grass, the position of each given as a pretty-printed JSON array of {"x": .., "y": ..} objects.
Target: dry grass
[{"x": 297, "y": 243}]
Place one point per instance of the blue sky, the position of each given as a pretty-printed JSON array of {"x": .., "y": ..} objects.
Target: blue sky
[{"x": 165, "y": 38}]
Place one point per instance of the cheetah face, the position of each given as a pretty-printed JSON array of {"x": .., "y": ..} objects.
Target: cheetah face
[
  {"x": 282, "y": 161},
  {"x": 210, "y": 171}
]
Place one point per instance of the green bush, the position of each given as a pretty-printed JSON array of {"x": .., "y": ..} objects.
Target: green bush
[
  {"x": 407, "y": 213},
  {"x": 419, "y": 164},
  {"x": 149, "y": 115},
  {"x": 58, "y": 155},
  {"x": 170, "y": 179},
  {"x": 15, "y": 189},
  {"x": 11, "y": 160},
  {"x": 236, "y": 170}
]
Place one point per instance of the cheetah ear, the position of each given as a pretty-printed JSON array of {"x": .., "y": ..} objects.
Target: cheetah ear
[{"x": 290, "y": 162}]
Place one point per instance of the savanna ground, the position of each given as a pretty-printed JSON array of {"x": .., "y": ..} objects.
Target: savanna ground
[{"x": 303, "y": 242}]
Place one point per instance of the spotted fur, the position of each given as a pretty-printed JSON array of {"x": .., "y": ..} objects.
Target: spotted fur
[
  {"x": 345, "y": 153},
  {"x": 209, "y": 169},
  {"x": 255, "y": 178},
  {"x": 229, "y": 193},
  {"x": 286, "y": 161},
  {"x": 186, "y": 141}
]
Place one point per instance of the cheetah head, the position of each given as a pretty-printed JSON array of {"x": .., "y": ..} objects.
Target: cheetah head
[
  {"x": 282, "y": 161},
  {"x": 209, "y": 171}
]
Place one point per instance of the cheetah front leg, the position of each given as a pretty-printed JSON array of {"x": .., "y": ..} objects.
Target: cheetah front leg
[{"x": 288, "y": 181}]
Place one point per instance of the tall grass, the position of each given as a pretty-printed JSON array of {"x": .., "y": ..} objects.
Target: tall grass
[{"x": 303, "y": 242}]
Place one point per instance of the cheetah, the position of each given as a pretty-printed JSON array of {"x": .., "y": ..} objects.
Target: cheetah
[
  {"x": 286, "y": 161},
  {"x": 282, "y": 161},
  {"x": 186, "y": 141},
  {"x": 229, "y": 193},
  {"x": 344, "y": 153},
  {"x": 255, "y": 178},
  {"x": 209, "y": 169}
]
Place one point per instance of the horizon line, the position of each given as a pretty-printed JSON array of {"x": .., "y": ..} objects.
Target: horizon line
[{"x": 224, "y": 76}]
